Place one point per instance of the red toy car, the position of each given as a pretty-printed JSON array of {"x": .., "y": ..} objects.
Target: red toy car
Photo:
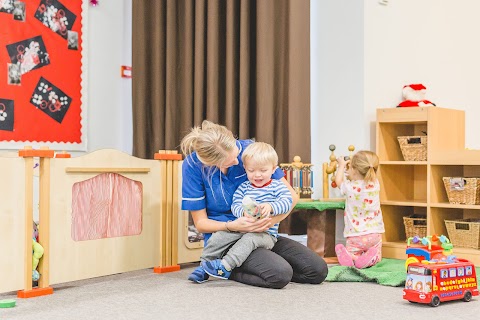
[{"x": 435, "y": 282}]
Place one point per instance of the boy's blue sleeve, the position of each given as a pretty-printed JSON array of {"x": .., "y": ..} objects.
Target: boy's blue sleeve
[
  {"x": 284, "y": 200},
  {"x": 238, "y": 196}
]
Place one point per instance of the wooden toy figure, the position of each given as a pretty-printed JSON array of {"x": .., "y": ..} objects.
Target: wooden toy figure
[{"x": 331, "y": 168}]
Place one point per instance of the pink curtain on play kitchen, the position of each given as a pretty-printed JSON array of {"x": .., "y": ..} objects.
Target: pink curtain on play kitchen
[{"x": 106, "y": 206}]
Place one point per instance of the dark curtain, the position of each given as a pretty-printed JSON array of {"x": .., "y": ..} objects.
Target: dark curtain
[{"x": 241, "y": 63}]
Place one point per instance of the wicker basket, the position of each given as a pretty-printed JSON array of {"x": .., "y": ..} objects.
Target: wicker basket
[
  {"x": 414, "y": 148},
  {"x": 467, "y": 192},
  {"x": 415, "y": 225},
  {"x": 464, "y": 232}
]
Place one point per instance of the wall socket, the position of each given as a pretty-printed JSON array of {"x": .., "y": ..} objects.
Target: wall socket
[{"x": 384, "y": 2}]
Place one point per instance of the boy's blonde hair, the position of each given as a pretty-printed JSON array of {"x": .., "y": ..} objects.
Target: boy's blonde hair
[
  {"x": 261, "y": 153},
  {"x": 366, "y": 163},
  {"x": 211, "y": 141}
]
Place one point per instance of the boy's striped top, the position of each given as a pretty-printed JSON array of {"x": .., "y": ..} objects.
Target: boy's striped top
[{"x": 275, "y": 193}]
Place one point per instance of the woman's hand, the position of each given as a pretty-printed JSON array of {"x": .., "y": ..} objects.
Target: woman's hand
[{"x": 249, "y": 224}]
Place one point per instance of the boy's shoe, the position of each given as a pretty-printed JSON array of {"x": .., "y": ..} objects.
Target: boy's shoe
[
  {"x": 198, "y": 275},
  {"x": 216, "y": 269},
  {"x": 344, "y": 258},
  {"x": 368, "y": 259}
]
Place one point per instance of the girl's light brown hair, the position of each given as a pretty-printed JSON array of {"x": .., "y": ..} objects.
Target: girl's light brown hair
[
  {"x": 366, "y": 163},
  {"x": 212, "y": 142}
]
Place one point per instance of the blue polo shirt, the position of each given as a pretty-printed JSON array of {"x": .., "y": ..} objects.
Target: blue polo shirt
[{"x": 208, "y": 188}]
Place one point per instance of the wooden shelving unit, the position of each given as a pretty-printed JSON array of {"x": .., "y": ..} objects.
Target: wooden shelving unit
[{"x": 410, "y": 187}]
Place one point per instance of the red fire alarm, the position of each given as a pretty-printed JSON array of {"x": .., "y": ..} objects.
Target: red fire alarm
[{"x": 126, "y": 72}]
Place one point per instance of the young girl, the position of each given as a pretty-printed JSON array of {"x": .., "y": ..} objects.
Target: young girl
[{"x": 363, "y": 216}]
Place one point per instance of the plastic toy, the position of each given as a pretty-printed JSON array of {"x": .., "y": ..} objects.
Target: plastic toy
[
  {"x": 434, "y": 282},
  {"x": 423, "y": 249},
  {"x": 251, "y": 207},
  {"x": 331, "y": 168},
  {"x": 7, "y": 303},
  {"x": 37, "y": 252},
  {"x": 435, "y": 275}
]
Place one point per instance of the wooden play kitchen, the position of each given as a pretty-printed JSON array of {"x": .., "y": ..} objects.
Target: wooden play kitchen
[{"x": 425, "y": 171}]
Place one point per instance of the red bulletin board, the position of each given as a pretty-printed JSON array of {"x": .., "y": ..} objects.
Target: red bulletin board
[{"x": 41, "y": 73}]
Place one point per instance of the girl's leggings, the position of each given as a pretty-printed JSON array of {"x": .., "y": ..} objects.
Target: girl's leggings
[{"x": 358, "y": 245}]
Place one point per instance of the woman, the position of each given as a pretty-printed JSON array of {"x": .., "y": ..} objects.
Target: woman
[{"x": 212, "y": 171}]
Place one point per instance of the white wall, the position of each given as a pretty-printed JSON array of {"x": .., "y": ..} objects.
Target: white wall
[
  {"x": 437, "y": 46},
  {"x": 363, "y": 53},
  {"x": 337, "y": 81},
  {"x": 109, "y": 107}
]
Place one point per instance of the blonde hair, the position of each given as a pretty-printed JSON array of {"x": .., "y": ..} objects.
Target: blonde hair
[
  {"x": 366, "y": 163},
  {"x": 211, "y": 141},
  {"x": 261, "y": 153}
]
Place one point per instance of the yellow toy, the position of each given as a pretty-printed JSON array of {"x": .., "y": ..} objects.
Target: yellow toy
[
  {"x": 331, "y": 168},
  {"x": 37, "y": 252}
]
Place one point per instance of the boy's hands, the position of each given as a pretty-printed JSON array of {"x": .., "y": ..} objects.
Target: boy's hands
[{"x": 265, "y": 209}]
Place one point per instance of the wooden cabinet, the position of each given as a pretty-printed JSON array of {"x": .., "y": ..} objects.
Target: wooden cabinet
[{"x": 410, "y": 187}]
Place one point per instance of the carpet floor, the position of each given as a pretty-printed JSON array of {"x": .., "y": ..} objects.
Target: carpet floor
[{"x": 145, "y": 295}]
